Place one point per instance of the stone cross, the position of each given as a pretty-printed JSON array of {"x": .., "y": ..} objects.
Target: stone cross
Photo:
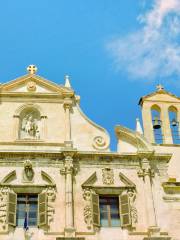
[
  {"x": 159, "y": 87},
  {"x": 32, "y": 69}
]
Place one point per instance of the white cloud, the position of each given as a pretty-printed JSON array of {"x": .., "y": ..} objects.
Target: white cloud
[{"x": 154, "y": 50}]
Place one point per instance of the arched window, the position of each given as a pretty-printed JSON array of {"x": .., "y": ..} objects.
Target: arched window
[
  {"x": 157, "y": 124},
  {"x": 174, "y": 124},
  {"x": 30, "y": 124}
]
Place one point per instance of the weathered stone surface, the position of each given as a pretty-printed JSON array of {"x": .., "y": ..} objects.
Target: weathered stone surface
[{"x": 62, "y": 154}]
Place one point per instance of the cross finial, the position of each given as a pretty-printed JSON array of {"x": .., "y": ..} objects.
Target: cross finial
[
  {"x": 32, "y": 69},
  {"x": 159, "y": 87},
  {"x": 67, "y": 81}
]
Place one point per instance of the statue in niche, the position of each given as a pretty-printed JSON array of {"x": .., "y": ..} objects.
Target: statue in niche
[
  {"x": 28, "y": 172},
  {"x": 30, "y": 128}
]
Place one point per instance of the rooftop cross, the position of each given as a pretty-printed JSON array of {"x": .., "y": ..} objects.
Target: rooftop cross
[
  {"x": 159, "y": 87},
  {"x": 32, "y": 69}
]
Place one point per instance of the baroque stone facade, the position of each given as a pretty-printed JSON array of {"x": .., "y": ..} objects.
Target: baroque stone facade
[{"x": 59, "y": 179}]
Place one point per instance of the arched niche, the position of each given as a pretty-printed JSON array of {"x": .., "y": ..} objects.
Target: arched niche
[
  {"x": 174, "y": 124},
  {"x": 29, "y": 105},
  {"x": 29, "y": 122},
  {"x": 157, "y": 123}
]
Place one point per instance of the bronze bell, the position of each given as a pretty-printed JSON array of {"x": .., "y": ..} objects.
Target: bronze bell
[
  {"x": 174, "y": 122},
  {"x": 156, "y": 123}
]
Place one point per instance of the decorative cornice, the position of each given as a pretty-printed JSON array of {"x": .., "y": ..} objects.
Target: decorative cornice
[
  {"x": 92, "y": 156},
  {"x": 139, "y": 141},
  {"x": 171, "y": 187},
  {"x": 38, "y": 79}
]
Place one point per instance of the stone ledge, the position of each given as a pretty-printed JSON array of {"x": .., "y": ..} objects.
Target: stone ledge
[
  {"x": 157, "y": 238},
  {"x": 70, "y": 238}
]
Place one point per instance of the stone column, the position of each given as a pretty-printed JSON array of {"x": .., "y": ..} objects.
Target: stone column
[
  {"x": 166, "y": 129},
  {"x": 178, "y": 119},
  {"x": 67, "y": 108},
  {"x": 16, "y": 127},
  {"x": 147, "y": 123},
  {"x": 146, "y": 173},
  {"x": 43, "y": 132},
  {"x": 68, "y": 170}
]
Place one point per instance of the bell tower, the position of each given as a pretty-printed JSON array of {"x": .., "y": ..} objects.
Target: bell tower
[{"x": 161, "y": 117}]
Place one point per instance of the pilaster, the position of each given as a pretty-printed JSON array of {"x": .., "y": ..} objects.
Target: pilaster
[
  {"x": 166, "y": 129},
  {"x": 147, "y": 123},
  {"x": 147, "y": 175},
  {"x": 67, "y": 108},
  {"x": 16, "y": 127},
  {"x": 68, "y": 171}
]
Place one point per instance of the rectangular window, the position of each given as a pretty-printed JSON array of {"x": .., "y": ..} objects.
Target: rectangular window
[
  {"x": 27, "y": 208},
  {"x": 109, "y": 211}
]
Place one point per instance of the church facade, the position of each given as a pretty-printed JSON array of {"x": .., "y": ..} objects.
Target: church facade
[{"x": 60, "y": 180}]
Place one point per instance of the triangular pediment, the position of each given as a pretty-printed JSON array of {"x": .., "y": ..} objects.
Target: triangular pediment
[
  {"x": 31, "y": 83},
  {"x": 161, "y": 95},
  {"x": 95, "y": 181}
]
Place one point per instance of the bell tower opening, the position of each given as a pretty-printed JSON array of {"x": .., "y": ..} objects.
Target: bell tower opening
[
  {"x": 160, "y": 113},
  {"x": 157, "y": 124},
  {"x": 174, "y": 124}
]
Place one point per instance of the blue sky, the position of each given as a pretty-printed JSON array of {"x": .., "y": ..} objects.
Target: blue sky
[{"x": 114, "y": 51}]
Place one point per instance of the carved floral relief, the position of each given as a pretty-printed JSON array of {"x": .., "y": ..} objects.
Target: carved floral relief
[
  {"x": 107, "y": 176},
  {"x": 87, "y": 208}
]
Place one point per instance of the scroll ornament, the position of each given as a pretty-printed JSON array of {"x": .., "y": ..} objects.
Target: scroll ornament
[{"x": 100, "y": 142}]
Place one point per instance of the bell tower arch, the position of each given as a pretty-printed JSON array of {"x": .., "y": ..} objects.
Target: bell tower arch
[{"x": 161, "y": 117}]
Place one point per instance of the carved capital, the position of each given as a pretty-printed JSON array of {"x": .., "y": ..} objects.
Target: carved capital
[
  {"x": 68, "y": 167},
  {"x": 146, "y": 172},
  {"x": 146, "y": 169},
  {"x": 67, "y": 103},
  {"x": 145, "y": 164}
]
